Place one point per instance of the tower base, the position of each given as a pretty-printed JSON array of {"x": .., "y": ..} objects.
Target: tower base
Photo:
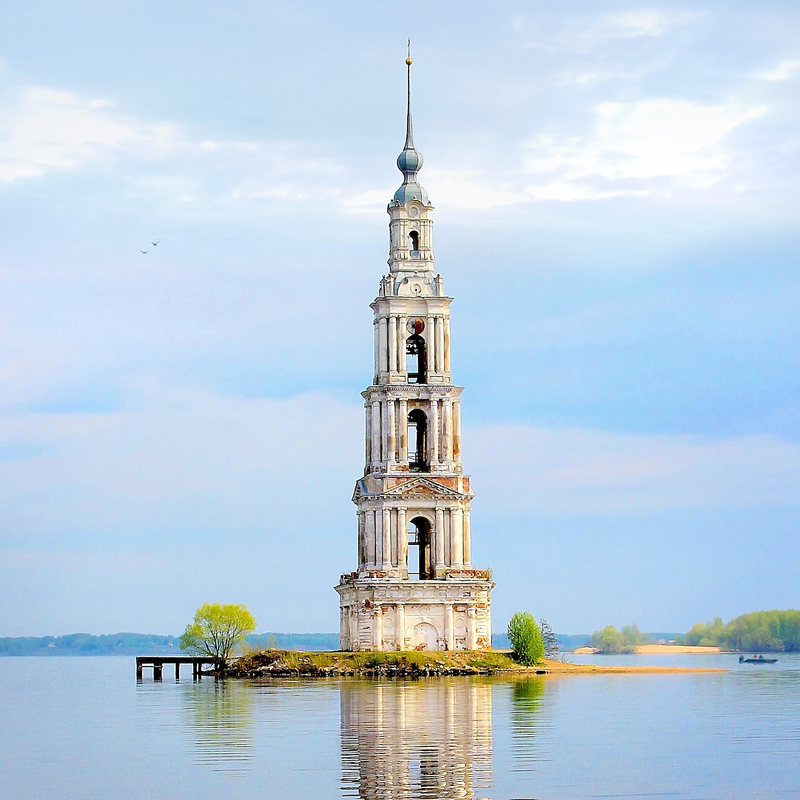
[{"x": 385, "y": 614}]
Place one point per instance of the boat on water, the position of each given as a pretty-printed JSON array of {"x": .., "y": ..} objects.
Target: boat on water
[{"x": 759, "y": 659}]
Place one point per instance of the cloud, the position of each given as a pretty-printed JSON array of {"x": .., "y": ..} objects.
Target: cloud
[
  {"x": 650, "y": 146},
  {"x": 784, "y": 71},
  {"x": 587, "y": 32},
  {"x": 645, "y": 22},
  {"x": 52, "y": 129},
  {"x": 535, "y": 470}
]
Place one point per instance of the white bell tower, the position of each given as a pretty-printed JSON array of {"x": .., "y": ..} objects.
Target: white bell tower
[{"x": 415, "y": 587}]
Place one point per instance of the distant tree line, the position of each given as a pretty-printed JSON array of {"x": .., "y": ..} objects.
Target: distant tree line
[
  {"x": 761, "y": 631},
  {"x": 611, "y": 641}
]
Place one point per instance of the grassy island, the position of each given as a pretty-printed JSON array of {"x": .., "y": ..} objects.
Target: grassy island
[{"x": 414, "y": 664}]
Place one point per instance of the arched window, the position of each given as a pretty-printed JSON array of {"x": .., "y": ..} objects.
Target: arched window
[
  {"x": 417, "y": 441},
  {"x": 416, "y": 359},
  {"x": 419, "y": 536},
  {"x": 413, "y": 243}
]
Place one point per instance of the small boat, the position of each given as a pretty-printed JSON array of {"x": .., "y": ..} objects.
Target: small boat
[{"x": 757, "y": 660}]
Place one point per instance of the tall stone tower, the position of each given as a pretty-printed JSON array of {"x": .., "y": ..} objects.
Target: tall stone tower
[{"x": 415, "y": 586}]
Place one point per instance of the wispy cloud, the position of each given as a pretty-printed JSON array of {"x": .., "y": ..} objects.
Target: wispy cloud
[
  {"x": 651, "y": 23},
  {"x": 638, "y": 148},
  {"x": 540, "y": 470},
  {"x": 49, "y": 130},
  {"x": 784, "y": 71}
]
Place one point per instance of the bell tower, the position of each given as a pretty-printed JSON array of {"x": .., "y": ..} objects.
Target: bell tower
[{"x": 415, "y": 587}]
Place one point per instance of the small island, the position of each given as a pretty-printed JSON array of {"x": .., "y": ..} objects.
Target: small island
[{"x": 417, "y": 664}]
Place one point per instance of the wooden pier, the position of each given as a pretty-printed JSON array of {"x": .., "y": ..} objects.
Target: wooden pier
[{"x": 158, "y": 662}]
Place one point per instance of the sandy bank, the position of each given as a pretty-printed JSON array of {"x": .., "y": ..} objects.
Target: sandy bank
[
  {"x": 674, "y": 649},
  {"x": 559, "y": 668},
  {"x": 658, "y": 650}
]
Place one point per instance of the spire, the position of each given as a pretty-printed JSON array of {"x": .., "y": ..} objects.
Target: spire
[
  {"x": 409, "y": 162},
  {"x": 409, "y": 123}
]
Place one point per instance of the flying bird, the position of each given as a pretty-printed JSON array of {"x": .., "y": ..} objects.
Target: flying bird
[
  {"x": 155, "y": 244},
  {"x": 144, "y": 251}
]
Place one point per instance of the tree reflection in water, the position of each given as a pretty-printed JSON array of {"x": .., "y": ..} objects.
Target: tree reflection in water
[
  {"x": 528, "y": 694},
  {"x": 219, "y": 717},
  {"x": 420, "y": 739}
]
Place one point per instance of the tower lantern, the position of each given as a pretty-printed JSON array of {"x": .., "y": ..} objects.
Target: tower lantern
[{"x": 415, "y": 587}]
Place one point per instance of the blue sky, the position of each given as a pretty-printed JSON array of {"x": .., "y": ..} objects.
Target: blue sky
[{"x": 616, "y": 187}]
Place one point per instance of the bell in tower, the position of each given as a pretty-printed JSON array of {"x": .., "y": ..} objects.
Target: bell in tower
[{"x": 415, "y": 587}]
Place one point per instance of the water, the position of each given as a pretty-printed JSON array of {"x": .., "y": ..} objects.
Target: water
[{"x": 81, "y": 728}]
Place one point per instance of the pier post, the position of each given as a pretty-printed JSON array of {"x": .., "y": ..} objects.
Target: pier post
[
  {"x": 158, "y": 672},
  {"x": 138, "y": 669},
  {"x": 177, "y": 671}
]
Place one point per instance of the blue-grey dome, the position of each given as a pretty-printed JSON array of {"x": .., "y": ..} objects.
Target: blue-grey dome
[
  {"x": 410, "y": 190},
  {"x": 409, "y": 161}
]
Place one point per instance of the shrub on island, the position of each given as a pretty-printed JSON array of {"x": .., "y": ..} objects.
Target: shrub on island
[{"x": 526, "y": 638}]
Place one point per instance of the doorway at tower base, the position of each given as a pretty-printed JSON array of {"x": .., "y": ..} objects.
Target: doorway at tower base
[{"x": 414, "y": 615}]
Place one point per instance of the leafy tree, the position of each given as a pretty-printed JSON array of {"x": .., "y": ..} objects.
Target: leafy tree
[
  {"x": 610, "y": 640},
  {"x": 526, "y": 638},
  {"x": 217, "y": 629},
  {"x": 548, "y": 639},
  {"x": 759, "y": 631}
]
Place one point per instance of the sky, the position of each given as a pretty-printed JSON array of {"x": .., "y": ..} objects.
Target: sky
[{"x": 616, "y": 191}]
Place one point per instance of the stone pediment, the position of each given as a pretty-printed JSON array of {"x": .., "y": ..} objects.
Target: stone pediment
[{"x": 414, "y": 487}]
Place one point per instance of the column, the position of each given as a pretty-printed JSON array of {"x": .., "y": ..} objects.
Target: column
[
  {"x": 472, "y": 629},
  {"x": 433, "y": 433},
  {"x": 383, "y": 347},
  {"x": 402, "y": 541},
  {"x": 440, "y": 344},
  {"x": 367, "y": 434},
  {"x": 392, "y": 344},
  {"x": 403, "y": 420},
  {"x": 375, "y": 429},
  {"x": 378, "y": 632},
  {"x": 447, "y": 344},
  {"x": 376, "y": 337},
  {"x": 467, "y": 540},
  {"x": 386, "y": 560},
  {"x": 456, "y": 538},
  {"x": 370, "y": 534},
  {"x": 430, "y": 342},
  {"x": 447, "y": 429},
  {"x": 457, "y": 431},
  {"x": 402, "y": 333},
  {"x": 439, "y": 532},
  {"x": 362, "y": 542},
  {"x": 448, "y": 627},
  {"x": 378, "y": 538},
  {"x": 391, "y": 427},
  {"x": 400, "y": 626},
  {"x": 385, "y": 431}
]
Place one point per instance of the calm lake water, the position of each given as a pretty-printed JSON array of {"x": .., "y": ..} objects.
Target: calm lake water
[{"x": 82, "y": 728}]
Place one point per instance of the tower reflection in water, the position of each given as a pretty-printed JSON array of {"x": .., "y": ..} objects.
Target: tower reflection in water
[{"x": 416, "y": 739}]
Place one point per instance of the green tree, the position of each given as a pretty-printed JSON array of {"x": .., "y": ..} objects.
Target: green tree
[
  {"x": 610, "y": 640},
  {"x": 217, "y": 629},
  {"x": 526, "y": 638}
]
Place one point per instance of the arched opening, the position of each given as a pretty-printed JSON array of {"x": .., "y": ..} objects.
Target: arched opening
[
  {"x": 416, "y": 359},
  {"x": 419, "y": 536},
  {"x": 413, "y": 243},
  {"x": 417, "y": 441}
]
